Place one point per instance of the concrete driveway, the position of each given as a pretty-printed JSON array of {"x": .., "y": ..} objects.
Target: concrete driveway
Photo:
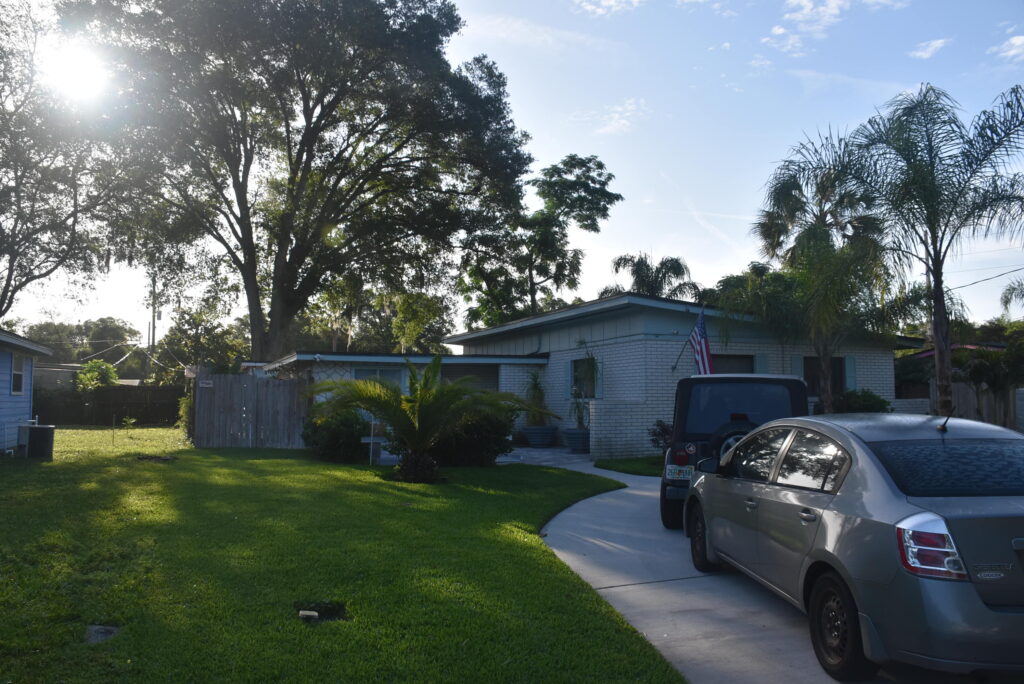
[{"x": 722, "y": 627}]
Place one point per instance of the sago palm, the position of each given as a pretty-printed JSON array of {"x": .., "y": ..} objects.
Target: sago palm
[{"x": 433, "y": 409}]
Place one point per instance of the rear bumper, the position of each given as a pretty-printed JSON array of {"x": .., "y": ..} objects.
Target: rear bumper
[
  {"x": 943, "y": 625},
  {"x": 676, "y": 490}
]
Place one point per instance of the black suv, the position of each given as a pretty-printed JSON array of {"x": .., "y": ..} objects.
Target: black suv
[{"x": 712, "y": 413}]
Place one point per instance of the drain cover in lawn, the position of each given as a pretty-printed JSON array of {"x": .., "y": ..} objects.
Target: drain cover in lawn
[
  {"x": 94, "y": 634},
  {"x": 321, "y": 611}
]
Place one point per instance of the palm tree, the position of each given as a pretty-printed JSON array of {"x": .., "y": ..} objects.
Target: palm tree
[
  {"x": 669, "y": 278},
  {"x": 820, "y": 226},
  {"x": 938, "y": 180},
  {"x": 432, "y": 409}
]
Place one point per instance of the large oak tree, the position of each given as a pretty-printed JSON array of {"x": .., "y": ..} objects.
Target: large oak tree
[{"x": 311, "y": 138}]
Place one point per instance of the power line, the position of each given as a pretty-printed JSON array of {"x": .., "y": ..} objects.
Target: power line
[{"x": 959, "y": 287}]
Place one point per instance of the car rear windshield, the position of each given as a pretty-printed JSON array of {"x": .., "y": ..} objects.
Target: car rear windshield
[
  {"x": 714, "y": 404},
  {"x": 955, "y": 467}
]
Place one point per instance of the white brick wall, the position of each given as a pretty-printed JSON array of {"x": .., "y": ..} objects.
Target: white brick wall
[
  {"x": 639, "y": 383},
  {"x": 911, "y": 406}
]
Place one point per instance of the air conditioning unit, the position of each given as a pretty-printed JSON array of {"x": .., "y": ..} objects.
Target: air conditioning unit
[{"x": 35, "y": 441}]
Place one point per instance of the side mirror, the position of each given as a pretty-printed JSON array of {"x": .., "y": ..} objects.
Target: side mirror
[{"x": 708, "y": 465}]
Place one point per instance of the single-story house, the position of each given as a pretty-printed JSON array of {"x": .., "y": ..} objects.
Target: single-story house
[
  {"x": 17, "y": 357},
  {"x": 640, "y": 347},
  {"x": 46, "y": 375}
]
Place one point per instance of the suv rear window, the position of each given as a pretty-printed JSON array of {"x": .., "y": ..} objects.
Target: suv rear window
[
  {"x": 714, "y": 404},
  {"x": 955, "y": 467}
]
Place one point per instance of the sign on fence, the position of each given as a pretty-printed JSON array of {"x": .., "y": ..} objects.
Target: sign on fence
[{"x": 249, "y": 411}]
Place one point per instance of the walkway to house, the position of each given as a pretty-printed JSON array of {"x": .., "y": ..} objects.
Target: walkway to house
[
  {"x": 714, "y": 628},
  {"x": 559, "y": 457}
]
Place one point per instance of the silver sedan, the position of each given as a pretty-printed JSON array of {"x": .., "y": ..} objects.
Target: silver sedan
[{"x": 901, "y": 537}]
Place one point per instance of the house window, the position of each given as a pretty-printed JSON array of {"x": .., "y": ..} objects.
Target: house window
[
  {"x": 812, "y": 375},
  {"x": 392, "y": 375},
  {"x": 584, "y": 377},
  {"x": 732, "y": 363},
  {"x": 17, "y": 374}
]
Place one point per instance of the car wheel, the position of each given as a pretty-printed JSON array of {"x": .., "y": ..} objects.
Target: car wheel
[
  {"x": 699, "y": 541},
  {"x": 671, "y": 511},
  {"x": 835, "y": 631}
]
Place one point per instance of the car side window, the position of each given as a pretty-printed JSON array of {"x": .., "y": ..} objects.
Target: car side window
[
  {"x": 812, "y": 461},
  {"x": 754, "y": 459}
]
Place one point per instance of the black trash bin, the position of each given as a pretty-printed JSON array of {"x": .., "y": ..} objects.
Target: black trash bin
[{"x": 36, "y": 441}]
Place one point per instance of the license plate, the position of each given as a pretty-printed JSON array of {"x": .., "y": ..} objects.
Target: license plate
[{"x": 675, "y": 472}]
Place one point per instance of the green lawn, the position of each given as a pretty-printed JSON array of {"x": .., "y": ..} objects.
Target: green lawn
[
  {"x": 642, "y": 465},
  {"x": 200, "y": 562}
]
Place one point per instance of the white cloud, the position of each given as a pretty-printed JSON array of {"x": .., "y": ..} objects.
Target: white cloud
[
  {"x": 760, "y": 62},
  {"x": 616, "y": 119},
  {"x": 928, "y": 48},
  {"x": 784, "y": 41},
  {"x": 718, "y": 8},
  {"x": 812, "y": 19},
  {"x": 603, "y": 8},
  {"x": 890, "y": 4},
  {"x": 1012, "y": 50},
  {"x": 817, "y": 81},
  {"x": 515, "y": 31}
]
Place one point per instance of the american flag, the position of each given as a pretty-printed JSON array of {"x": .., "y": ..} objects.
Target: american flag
[{"x": 701, "y": 348}]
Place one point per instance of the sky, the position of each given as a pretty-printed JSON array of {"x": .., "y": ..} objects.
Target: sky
[{"x": 692, "y": 104}]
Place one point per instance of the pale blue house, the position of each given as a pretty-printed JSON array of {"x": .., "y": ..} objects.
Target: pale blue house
[{"x": 17, "y": 358}]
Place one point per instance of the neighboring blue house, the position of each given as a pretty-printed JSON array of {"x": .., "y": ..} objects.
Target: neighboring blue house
[{"x": 17, "y": 356}]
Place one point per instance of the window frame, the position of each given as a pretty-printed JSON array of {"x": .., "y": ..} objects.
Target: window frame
[
  {"x": 716, "y": 359},
  {"x": 596, "y": 379},
  {"x": 840, "y": 476},
  {"x": 776, "y": 460},
  {"x": 20, "y": 373}
]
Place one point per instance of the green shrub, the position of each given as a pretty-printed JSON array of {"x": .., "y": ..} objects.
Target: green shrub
[
  {"x": 860, "y": 401},
  {"x": 337, "y": 436},
  {"x": 186, "y": 417},
  {"x": 94, "y": 374},
  {"x": 478, "y": 442},
  {"x": 661, "y": 435}
]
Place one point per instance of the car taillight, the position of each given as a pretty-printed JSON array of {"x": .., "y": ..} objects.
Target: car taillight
[{"x": 926, "y": 547}]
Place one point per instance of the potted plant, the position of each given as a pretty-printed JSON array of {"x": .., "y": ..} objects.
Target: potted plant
[{"x": 538, "y": 432}]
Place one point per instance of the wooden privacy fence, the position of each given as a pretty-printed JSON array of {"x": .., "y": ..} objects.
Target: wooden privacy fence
[{"x": 249, "y": 411}]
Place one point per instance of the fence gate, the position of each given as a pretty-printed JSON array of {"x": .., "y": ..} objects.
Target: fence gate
[{"x": 249, "y": 411}]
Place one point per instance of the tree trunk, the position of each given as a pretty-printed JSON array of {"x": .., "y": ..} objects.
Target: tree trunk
[
  {"x": 825, "y": 384},
  {"x": 943, "y": 350},
  {"x": 417, "y": 467}
]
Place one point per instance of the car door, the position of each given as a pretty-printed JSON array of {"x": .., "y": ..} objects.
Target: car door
[
  {"x": 791, "y": 506},
  {"x": 732, "y": 508}
]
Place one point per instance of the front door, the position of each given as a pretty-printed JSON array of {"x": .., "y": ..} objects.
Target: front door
[
  {"x": 792, "y": 505},
  {"x": 733, "y": 508}
]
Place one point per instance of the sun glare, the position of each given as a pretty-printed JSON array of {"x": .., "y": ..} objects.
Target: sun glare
[{"x": 73, "y": 70}]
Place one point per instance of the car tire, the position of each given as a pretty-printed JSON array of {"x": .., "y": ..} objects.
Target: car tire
[
  {"x": 671, "y": 511},
  {"x": 699, "y": 541},
  {"x": 835, "y": 631}
]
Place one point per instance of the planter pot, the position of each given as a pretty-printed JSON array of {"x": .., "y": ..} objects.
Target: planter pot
[
  {"x": 577, "y": 439},
  {"x": 540, "y": 435}
]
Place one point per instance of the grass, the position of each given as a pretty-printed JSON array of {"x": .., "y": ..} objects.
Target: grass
[
  {"x": 642, "y": 465},
  {"x": 202, "y": 561}
]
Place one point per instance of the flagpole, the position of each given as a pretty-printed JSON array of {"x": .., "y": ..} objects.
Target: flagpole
[{"x": 676, "y": 364}]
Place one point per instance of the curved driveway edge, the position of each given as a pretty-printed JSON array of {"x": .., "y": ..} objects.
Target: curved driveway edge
[{"x": 717, "y": 628}]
